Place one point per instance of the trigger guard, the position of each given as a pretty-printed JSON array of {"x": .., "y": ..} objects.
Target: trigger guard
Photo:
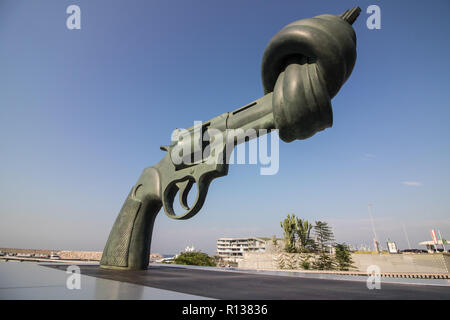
[{"x": 169, "y": 198}]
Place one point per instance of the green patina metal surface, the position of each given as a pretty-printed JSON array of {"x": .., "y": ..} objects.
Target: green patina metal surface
[{"x": 303, "y": 68}]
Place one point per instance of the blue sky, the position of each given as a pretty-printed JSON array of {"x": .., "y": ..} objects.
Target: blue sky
[{"x": 83, "y": 112}]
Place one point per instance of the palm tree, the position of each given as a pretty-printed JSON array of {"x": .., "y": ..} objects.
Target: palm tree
[
  {"x": 289, "y": 228},
  {"x": 303, "y": 230}
]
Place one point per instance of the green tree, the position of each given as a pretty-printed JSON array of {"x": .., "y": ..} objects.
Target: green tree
[
  {"x": 303, "y": 231},
  {"x": 343, "y": 257},
  {"x": 195, "y": 258},
  {"x": 289, "y": 228},
  {"x": 324, "y": 240}
]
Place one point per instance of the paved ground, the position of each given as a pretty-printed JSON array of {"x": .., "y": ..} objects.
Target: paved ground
[
  {"x": 31, "y": 281},
  {"x": 236, "y": 285}
]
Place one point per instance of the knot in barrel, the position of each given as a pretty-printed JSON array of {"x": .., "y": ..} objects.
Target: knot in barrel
[{"x": 305, "y": 65}]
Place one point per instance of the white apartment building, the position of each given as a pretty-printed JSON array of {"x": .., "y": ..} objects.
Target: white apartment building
[{"x": 232, "y": 249}]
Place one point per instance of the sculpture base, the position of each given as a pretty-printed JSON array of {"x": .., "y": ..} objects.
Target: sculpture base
[{"x": 119, "y": 268}]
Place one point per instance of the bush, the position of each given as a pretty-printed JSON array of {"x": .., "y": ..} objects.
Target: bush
[
  {"x": 343, "y": 257},
  {"x": 195, "y": 258}
]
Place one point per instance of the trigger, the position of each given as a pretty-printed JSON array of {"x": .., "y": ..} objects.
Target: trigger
[{"x": 184, "y": 188}]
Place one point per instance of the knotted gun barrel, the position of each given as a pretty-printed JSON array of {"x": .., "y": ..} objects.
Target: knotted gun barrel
[{"x": 303, "y": 68}]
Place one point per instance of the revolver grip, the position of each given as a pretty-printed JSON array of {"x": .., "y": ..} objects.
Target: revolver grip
[{"x": 128, "y": 245}]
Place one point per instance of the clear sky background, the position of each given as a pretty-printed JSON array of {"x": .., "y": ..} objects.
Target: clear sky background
[{"x": 83, "y": 112}]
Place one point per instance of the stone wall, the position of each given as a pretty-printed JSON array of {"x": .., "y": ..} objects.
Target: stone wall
[
  {"x": 275, "y": 260},
  {"x": 433, "y": 263},
  {"x": 26, "y": 251},
  {"x": 93, "y": 255},
  {"x": 426, "y": 263},
  {"x": 70, "y": 254},
  {"x": 80, "y": 255}
]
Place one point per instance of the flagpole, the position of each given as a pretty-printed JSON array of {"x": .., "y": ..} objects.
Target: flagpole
[
  {"x": 440, "y": 236},
  {"x": 376, "y": 243},
  {"x": 406, "y": 235}
]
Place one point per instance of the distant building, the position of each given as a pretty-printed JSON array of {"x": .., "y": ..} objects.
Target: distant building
[{"x": 232, "y": 249}]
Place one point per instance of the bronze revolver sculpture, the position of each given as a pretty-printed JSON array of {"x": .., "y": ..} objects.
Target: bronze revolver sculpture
[{"x": 303, "y": 68}]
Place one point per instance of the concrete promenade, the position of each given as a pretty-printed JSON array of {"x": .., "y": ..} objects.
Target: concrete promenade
[
  {"x": 245, "y": 285},
  {"x": 31, "y": 281}
]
